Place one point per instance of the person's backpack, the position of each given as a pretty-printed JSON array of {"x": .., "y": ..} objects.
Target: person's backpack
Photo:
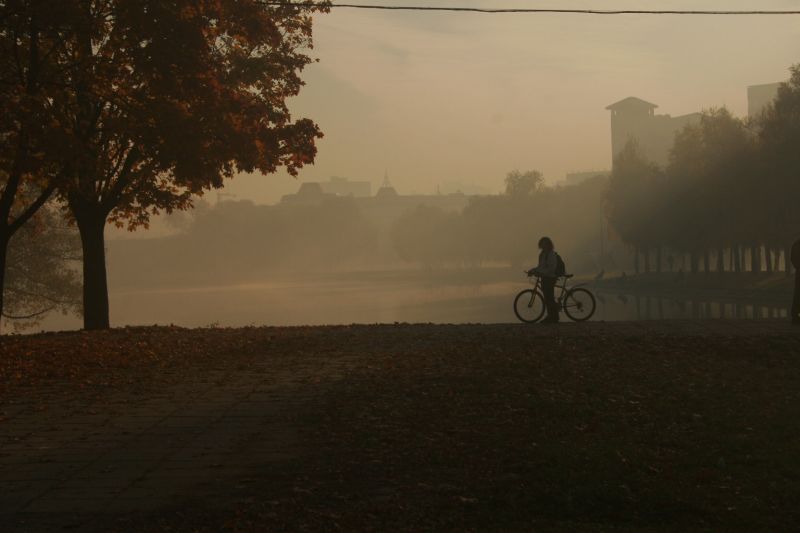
[{"x": 561, "y": 267}]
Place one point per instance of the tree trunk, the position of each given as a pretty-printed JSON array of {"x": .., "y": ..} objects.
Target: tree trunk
[
  {"x": 720, "y": 260},
  {"x": 739, "y": 262},
  {"x": 768, "y": 257},
  {"x": 95, "y": 285},
  {"x": 636, "y": 260},
  {"x": 658, "y": 259},
  {"x": 755, "y": 259},
  {"x": 647, "y": 260},
  {"x": 706, "y": 261},
  {"x": 3, "y": 256},
  {"x": 787, "y": 254},
  {"x": 693, "y": 261}
]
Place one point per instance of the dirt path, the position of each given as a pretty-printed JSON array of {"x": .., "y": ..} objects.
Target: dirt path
[{"x": 674, "y": 424}]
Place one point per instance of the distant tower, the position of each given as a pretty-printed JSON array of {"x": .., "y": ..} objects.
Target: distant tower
[
  {"x": 386, "y": 190},
  {"x": 631, "y": 118},
  {"x": 634, "y": 118}
]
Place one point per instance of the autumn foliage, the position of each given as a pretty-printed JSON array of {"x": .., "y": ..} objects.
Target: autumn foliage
[{"x": 149, "y": 102}]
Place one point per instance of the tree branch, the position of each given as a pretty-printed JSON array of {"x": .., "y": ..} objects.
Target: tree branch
[
  {"x": 28, "y": 317},
  {"x": 33, "y": 208},
  {"x": 122, "y": 179},
  {"x": 29, "y": 294},
  {"x": 12, "y": 184}
]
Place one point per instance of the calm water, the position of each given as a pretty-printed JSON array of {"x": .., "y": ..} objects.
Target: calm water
[{"x": 312, "y": 302}]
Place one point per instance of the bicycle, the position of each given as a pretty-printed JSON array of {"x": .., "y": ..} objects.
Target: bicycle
[{"x": 577, "y": 302}]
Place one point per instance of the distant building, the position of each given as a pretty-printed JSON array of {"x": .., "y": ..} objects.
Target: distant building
[
  {"x": 387, "y": 203},
  {"x": 346, "y": 187},
  {"x": 310, "y": 189},
  {"x": 760, "y": 96},
  {"x": 313, "y": 192},
  {"x": 576, "y": 178},
  {"x": 386, "y": 190},
  {"x": 634, "y": 118},
  {"x": 309, "y": 193}
]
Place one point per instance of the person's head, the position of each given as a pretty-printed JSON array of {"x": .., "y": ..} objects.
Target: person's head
[{"x": 546, "y": 244}]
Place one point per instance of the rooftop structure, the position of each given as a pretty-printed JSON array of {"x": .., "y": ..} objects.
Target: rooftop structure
[
  {"x": 345, "y": 187},
  {"x": 635, "y": 119},
  {"x": 632, "y": 104},
  {"x": 386, "y": 190}
]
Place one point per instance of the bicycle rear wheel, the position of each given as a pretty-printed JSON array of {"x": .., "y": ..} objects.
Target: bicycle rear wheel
[
  {"x": 579, "y": 305},
  {"x": 529, "y": 306}
]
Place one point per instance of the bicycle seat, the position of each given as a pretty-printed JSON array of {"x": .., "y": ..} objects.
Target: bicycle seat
[{"x": 568, "y": 276}]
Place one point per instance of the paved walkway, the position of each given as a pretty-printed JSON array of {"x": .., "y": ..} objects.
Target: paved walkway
[{"x": 139, "y": 449}]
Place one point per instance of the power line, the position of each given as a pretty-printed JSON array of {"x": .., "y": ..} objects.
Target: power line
[{"x": 537, "y": 10}]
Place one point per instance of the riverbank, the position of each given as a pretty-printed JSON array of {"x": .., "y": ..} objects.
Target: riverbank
[
  {"x": 650, "y": 426},
  {"x": 441, "y": 296},
  {"x": 705, "y": 286}
]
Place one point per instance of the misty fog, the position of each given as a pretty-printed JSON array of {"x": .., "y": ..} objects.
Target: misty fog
[{"x": 425, "y": 116}]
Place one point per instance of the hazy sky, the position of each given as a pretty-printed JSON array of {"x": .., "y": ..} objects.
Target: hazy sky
[{"x": 449, "y": 97}]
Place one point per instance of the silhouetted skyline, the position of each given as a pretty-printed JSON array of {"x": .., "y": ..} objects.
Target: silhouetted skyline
[{"x": 443, "y": 97}]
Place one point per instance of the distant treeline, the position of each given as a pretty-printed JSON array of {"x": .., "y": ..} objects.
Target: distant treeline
[
  {"x": 505, "y": 228},
  {"x": 240, "y": 241},
  {"x": 728, "y": 200},
  {"x": 236, "y": 241}
]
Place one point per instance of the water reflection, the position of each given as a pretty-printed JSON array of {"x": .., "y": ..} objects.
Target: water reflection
[{"x": 614, "y": 306}]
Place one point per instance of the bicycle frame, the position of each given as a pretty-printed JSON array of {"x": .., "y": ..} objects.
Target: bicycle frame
[
  {"x": 537, "y": 285},
  {"x": 575, "y": 304}
]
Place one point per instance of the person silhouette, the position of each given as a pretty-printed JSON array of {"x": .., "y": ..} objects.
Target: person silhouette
[
  {"x": 547, "y": 270},
  {"x": 796, "y": 300}
]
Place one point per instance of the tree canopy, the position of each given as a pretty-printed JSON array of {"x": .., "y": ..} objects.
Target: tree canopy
[
  {"x": 728, "y": 197},
  {"x": 521, "y": 184},
  {"x": 148, "y": 103},
  {"x": 43, "y": 270}
]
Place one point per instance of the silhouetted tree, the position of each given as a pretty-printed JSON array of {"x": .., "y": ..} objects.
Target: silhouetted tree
[
  {"x": 522, "y": 184},
  {"x": 150, "y": 102},
  {"x": 632, "y": 201},
  {"x": 710, "y": 173},
  {"x": 43, "y": 269},
  {"x": 779, "y": 133},
  {"x": 27, "y": 40}
]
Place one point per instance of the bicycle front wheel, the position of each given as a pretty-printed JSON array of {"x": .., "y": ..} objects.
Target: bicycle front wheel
[
  {"x": 529, "y": 306},
  {"x": 579, "y": 305}
]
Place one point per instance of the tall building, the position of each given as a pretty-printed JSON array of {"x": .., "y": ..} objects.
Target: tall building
[
  {"x": 760, "y": 96},
  {"x": 634, "y": 118}
]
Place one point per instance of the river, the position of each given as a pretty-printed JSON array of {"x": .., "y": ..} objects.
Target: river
[{"x": 348, "y": 299}]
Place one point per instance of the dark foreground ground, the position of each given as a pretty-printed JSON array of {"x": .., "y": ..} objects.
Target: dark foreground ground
[{"x": 623, "y": 426}]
